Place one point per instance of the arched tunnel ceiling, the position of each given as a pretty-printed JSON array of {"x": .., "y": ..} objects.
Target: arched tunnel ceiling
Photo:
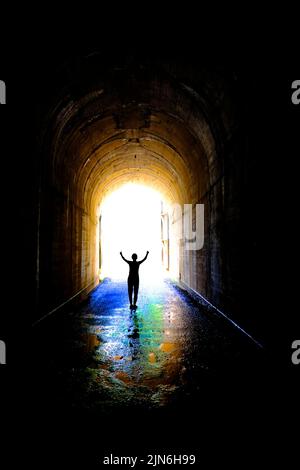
[{"x": 144, "y": 129}]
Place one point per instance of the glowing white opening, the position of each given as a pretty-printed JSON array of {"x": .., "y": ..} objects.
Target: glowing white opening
[{"x": 131, "y": 223}]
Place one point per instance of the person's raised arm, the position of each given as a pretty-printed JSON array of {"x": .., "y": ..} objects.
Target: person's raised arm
[
  {"x": 144, "y": 259},
  {"x": 123, "y": 257}
]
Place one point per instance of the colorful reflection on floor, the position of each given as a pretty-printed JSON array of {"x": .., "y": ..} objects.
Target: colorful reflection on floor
[
  {"x": 162, "y": 354},
  {"x": 103, "y": 357},
  {"x": 136, "y": 352}
]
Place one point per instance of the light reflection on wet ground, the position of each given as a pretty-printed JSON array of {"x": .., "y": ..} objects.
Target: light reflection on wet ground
[
  {"x": 108, "y": 357},
  {"x": 138, "y": 353},
  {"x": 171, "y": 372}
]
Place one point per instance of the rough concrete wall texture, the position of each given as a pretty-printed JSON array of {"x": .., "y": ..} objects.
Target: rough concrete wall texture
[{"x": 173, "y": 128}]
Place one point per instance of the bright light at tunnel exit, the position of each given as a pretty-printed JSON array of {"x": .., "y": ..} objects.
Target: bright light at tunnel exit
[{"x": 131, "y": 223}]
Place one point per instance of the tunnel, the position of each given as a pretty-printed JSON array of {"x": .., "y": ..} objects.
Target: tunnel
[
  {"x": 157, "y": 124},
  {"x": 195, "y": 353},
  {"x": 178, "y": 128}
]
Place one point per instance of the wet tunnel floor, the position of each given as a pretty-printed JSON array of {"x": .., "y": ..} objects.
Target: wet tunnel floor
[{"x": 170, "y": 352}]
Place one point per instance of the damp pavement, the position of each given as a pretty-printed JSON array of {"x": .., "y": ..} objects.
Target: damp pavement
[{"x": 104, "y": 357}]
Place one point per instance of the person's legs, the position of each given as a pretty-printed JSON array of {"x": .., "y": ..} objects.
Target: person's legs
[
  {"x": 136, "y": 291},
  {"x": 130, "y": 289}
]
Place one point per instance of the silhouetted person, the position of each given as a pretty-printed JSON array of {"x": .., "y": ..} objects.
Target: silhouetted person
[{"x": 133, "y": 278}]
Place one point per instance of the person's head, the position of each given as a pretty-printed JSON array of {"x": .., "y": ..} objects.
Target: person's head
[{"x": 134, "y": 256}]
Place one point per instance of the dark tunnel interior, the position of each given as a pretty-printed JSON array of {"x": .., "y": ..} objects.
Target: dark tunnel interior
[
  {"x": 117, "y": 125},
  {"x": 200, "y": 344},
  {"x": 181, "y": 131}
]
